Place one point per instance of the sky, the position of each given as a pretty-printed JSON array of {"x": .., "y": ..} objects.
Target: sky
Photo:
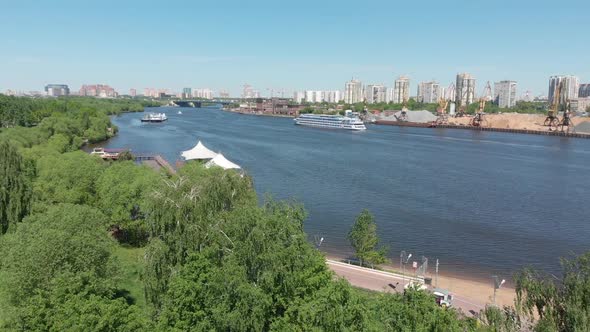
[{"x": 289, "y": 45}]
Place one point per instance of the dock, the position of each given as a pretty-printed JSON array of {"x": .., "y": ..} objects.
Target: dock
[
  {"x": 155, "y": 161},
  {"x": 503, "y": 130}
]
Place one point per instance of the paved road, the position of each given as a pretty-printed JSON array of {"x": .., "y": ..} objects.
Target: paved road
[{"x": 383, "y": 281}]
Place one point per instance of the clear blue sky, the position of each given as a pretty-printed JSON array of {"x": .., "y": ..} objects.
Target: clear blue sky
[{"x": 289, "y": 44}]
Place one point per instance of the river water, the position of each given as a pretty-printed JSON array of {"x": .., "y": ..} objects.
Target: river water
[{"x": 482, "y": 203}]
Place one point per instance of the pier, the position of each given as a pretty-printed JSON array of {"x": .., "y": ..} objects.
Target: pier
[{"x": 155, "y": 161}]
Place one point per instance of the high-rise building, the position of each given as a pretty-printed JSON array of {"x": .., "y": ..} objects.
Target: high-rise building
[
  {"x": 353, "y": 92},
  {"x": 571, "y": 86},
  {"x": 312, "y": 96},
  {"x": 223, "y": 93},
  {"x": 375, "y": 93},
  {"x": 56, "y": 90},
  {"x": 98, "y": 90},
  {"x": 505, "y": 94},
  {"x": 299, "y": 96},
  {"x": 401, "y": 90},
  {"x": 186, "y": 93},
  {"x": 202, "y": 93},
  {"x": 133, "y": 92},
  {"x": 464, "y": 89},
  {"x": 584, "y": 90},
  {"x": 332, "y": 96},
  {"x": 249, "y": 92},
  {"x": 428, "y": 92}
]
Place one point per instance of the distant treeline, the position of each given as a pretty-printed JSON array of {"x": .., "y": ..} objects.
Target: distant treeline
[{"x": 26, "y": 112}]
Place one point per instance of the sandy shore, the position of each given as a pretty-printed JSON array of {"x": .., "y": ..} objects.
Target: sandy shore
[
  {"x": 514, "y": 121},
  {"x": 478, "y": 291}
]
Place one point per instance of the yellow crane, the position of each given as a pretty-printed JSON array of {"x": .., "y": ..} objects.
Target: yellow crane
[
  {"x": 479, "y": 119},
  {"x": 443, "y": 102},
  {"x": 560, "y": 101},
  {"x": 552, "y": 121}
]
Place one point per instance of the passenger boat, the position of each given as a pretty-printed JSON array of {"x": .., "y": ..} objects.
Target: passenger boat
[
  {"x": 154, "y": 117},
  {"x": 349, "y": 121}
]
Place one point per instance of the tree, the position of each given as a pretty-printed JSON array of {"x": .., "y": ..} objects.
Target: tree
[
  {"x": 57, "y": 273},
  {"x": 15, "y": 191},
  {"x": 364, "y": 240},
  {"x": 561, "y": 304},
  {"x": 67, "y": 178},
  {"x": 122, "y": 191}
]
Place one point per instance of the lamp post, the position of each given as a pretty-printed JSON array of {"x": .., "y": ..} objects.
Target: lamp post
[
  {"x": 403, "y": 260},
  {"x": 497, "y": 285}
]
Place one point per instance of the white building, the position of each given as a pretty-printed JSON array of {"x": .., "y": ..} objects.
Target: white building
[
  {"x": 465, "y": 89},
  {"x": 401, "y": 90},
  {"x": 312, "y": 96},
  {"x": 332, "y": 96},
  {"x": 353, "y": 92},
  {"x": 375, "y": 93},
  {"x": 299, "y": 96},
  {"x": 572, "y": 86},
  {"x": 505, "y": 94},
  {"x": 428, "y": 92},
  {"x": 202, "y": 93},
  {"x": 249, "y": 92}
]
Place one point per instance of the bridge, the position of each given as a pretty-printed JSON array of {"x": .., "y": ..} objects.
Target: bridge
[{"x": 200, "y": 102}]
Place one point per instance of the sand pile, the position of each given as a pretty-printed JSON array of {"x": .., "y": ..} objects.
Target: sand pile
[
  {"x": 413, "y": 116},
  {"x": 583, "y": 127},
  {"x": 514, "y": 121}
]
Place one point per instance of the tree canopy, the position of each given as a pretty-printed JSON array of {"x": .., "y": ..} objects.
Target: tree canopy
[
  {"x": 363, "y": 238},
  {"x": 15, "y": 191}
]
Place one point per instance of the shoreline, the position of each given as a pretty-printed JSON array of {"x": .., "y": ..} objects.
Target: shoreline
[
  {"x": 258, "y": 114},
  {"x": 477, "y": 290}
]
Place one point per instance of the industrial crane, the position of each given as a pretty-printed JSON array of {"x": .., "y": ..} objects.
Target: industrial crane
[
  {"x": 479, "y": 119},
  {"x": 404, "y": 113},
  {"x": 442, "y": 116},
  {"x": 566, "y": 125},
  {"x": 461, "y": 111},
  {"x": 560, "y": 101},
  {"x": 552, "y": 120}
]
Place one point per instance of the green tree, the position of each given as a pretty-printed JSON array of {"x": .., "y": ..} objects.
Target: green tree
[
  {"x": 561, "y": 304},
  {"x": 67, "y": 178},
  {"x": 15, "y": 191},
  {"x": 122, "y": 191},
  {"x": 364, "y": 240},
  {"x": 58, "y": 273}
]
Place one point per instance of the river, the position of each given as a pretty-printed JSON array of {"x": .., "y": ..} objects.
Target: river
[{"x": 482, "y": 203}]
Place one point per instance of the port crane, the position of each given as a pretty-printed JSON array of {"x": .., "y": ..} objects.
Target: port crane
[
  {"x": 461, "y": 111},
  {"x": 560, "y": 101},
  {"x": 479, "y": 119},
  {"x": 404, "y": 113},
  {"x": 552, "y": 121},
  {"x": 566, "y": 125},
  {"x": 442, "y": 117}
]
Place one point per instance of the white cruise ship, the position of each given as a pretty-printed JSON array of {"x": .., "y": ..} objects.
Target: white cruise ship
[
  {"x": 349, "y": 121},
  {"x": 154, "y": 117}
]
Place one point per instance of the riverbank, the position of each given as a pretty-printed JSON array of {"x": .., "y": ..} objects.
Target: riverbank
[
  {"x": 475, "y": 291},
  {"x": 257, "y": 113}
]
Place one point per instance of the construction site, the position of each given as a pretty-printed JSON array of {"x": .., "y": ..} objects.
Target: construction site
[{"x": 451, "y": 113}]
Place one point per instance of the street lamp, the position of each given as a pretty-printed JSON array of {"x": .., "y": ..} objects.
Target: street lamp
[
  {"x": 497, "y": 285},
  {"x": 403, "y": 260}
]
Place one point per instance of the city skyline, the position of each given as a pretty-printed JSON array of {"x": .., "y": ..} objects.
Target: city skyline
[{"x": 62, "y": 42}]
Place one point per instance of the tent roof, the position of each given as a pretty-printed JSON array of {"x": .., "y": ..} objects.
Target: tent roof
[
  {"x": 220, "y": 161},
  {"x": 199, "y": 152}
]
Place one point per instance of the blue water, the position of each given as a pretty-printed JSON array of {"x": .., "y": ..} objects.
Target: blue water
[{"x": 481, "y": 202}]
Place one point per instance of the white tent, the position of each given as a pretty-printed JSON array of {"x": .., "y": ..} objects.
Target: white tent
[
  {"x": 220, "y": 161},
  {"x": 198, "y": 152}
]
